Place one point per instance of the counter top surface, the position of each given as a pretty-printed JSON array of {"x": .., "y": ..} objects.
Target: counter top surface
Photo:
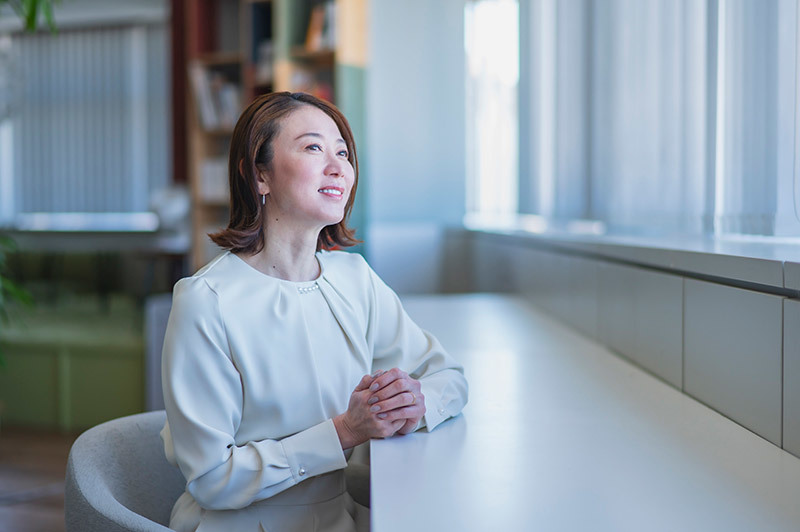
[{"x": 561, "y": 434}]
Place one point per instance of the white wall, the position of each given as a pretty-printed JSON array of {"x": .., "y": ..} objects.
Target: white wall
[{"x": 415, "y": 132}]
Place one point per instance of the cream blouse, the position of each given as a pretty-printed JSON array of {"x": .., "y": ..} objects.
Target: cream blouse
[{"x": 254, "y": 370}]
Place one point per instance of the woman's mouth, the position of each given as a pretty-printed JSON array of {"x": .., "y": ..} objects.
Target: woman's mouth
[{"x": 332, "y": 192}]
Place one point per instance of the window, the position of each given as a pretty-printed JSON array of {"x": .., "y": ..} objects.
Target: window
[
  {"x": 491, "y": 45},
  {"x": 88, "y": 129},
  {"x": 654, "y": 116}
]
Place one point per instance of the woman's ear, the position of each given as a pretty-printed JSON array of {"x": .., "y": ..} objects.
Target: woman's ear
[{"x": 262, "y": 177}]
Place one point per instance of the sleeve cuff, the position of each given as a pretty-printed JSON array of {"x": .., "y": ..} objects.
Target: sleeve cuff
[
  {"x": 435, "y": 413},
  {"x": 314, "y": 451}
]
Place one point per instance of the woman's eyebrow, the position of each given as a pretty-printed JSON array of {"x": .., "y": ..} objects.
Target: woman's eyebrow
[{"x": 317, "y": 135}]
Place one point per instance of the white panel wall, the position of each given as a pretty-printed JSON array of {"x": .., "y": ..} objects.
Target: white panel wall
[
  {"x": 639, "y": 315},
  {"x": 791, "y": 276},
  {"x": 732, "y": 354},
  {"x": 457, "y": 265},
  {"x": 658, "y": 323},
  {"x": 492, "y": 266},
  {"x": 735, "y": 350},
  {"x": 564, "y": 285},
  {"x": 791, "y": 376},
  {"x": 528, "y": 268},
  {"x": 583, "y": 295},
  {"x": 555, "y": 294},
  {"x": 616, "y": 308}
]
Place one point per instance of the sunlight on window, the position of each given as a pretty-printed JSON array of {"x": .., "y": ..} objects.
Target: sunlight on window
[
  {"x": 491, "y": 42},
  {"x": 756, "y": 81},
  {"x": 719, "y": 156}
]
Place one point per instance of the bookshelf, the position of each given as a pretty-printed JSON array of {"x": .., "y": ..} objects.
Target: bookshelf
[{"x": 236, "y": 50}]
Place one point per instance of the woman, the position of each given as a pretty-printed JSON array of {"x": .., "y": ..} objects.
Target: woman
[{"x": 280, "y": 356}]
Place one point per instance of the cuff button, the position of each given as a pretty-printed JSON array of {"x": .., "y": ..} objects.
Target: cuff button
[{"x": 302, "y": 471}]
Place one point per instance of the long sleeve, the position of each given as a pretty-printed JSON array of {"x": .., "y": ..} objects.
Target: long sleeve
[
  {"x": 204, "y": 398},
  {"x": 397, "y": 341}
]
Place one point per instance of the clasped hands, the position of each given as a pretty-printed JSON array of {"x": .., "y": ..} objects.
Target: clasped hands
[{"x": 382, "y": 404}]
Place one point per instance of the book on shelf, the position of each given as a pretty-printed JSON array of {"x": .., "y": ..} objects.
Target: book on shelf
[
  {"x": 202, "y": 95},
  {"x": 320, "y": 34},
  {"x": 214, "y": 180},
  {"x": 227, "y": 100},
  {"x": 218, "y": 99},
  {"x": 264, "y": 62},
  {"x": 329, "y": 28}
]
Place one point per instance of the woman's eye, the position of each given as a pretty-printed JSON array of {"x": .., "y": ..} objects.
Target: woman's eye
[
  {"x": 315, "y": 147},
  {"x": 343, "y": 153}
]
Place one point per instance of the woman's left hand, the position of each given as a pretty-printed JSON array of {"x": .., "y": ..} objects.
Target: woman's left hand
[{"x": 396, "y": 395}]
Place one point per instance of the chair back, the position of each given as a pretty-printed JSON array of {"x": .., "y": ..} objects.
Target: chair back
[{"x": 118, "y": 478}]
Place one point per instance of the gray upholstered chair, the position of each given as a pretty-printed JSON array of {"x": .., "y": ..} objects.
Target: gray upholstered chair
[{"x": 118, "y": 478}]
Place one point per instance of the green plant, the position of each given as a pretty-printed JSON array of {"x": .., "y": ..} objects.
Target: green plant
[
  {"x": 30, "y": 11},
  {"x": 10, "y": 292}
]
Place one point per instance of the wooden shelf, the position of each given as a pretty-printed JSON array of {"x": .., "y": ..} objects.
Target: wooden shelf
[
  {"x": 300, "y": 53},
  {"x": 220, "y": 59}
]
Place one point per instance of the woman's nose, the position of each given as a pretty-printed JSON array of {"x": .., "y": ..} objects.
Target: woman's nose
[{"x": 335, "y": 168}]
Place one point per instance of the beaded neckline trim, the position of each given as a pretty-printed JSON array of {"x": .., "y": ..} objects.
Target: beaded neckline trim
[{"x": 308, "y": 289}]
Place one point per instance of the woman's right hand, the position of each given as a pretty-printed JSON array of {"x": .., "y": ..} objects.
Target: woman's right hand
[{"x": 358, "y": 424}]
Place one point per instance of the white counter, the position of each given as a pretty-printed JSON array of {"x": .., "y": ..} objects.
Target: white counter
[{"x": 560, "y": 434}]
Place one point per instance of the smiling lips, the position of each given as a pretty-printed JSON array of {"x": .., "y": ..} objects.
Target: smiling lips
[{"x": 333, "y": 192}]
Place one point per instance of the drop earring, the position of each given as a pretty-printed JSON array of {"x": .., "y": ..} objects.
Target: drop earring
[{"x": 263, "y": 199}]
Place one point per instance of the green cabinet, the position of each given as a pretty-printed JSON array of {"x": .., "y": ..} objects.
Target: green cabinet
[{"x": 71, "y": 370}]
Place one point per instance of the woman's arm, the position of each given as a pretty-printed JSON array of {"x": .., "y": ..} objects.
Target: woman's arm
[
  {"x": 398, "y": 342},
  {"x": 203, "y": 399}
]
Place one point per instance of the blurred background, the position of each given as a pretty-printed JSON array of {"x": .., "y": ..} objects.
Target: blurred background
[{"x": 655, "y": 119}]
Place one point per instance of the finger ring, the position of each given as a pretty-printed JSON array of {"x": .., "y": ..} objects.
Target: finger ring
[{"x": 413, "y": 398}]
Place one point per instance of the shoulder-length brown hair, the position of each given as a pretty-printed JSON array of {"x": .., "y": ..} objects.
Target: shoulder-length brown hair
[{"x": 251, "y": 151}]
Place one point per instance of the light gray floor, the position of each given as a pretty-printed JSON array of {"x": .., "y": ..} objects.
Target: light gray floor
[{"x": 560, "y": 434}]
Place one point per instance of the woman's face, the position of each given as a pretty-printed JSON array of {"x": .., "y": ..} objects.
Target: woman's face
[{"x": 310, "y": 179}]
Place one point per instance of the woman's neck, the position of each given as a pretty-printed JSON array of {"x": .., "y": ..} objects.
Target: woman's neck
[{"x": 287, "y": 256}]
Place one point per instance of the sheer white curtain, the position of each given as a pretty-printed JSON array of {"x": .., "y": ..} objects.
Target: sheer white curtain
[
  {"x": 648, "y": 113},
  {"x": 491, "y": 47},
  {"x": 661, "y": 115},
  {"x": 756, "y": 86}
]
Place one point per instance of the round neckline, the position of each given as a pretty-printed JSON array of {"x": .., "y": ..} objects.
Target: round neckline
[{"x": 298, "y": 284}]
